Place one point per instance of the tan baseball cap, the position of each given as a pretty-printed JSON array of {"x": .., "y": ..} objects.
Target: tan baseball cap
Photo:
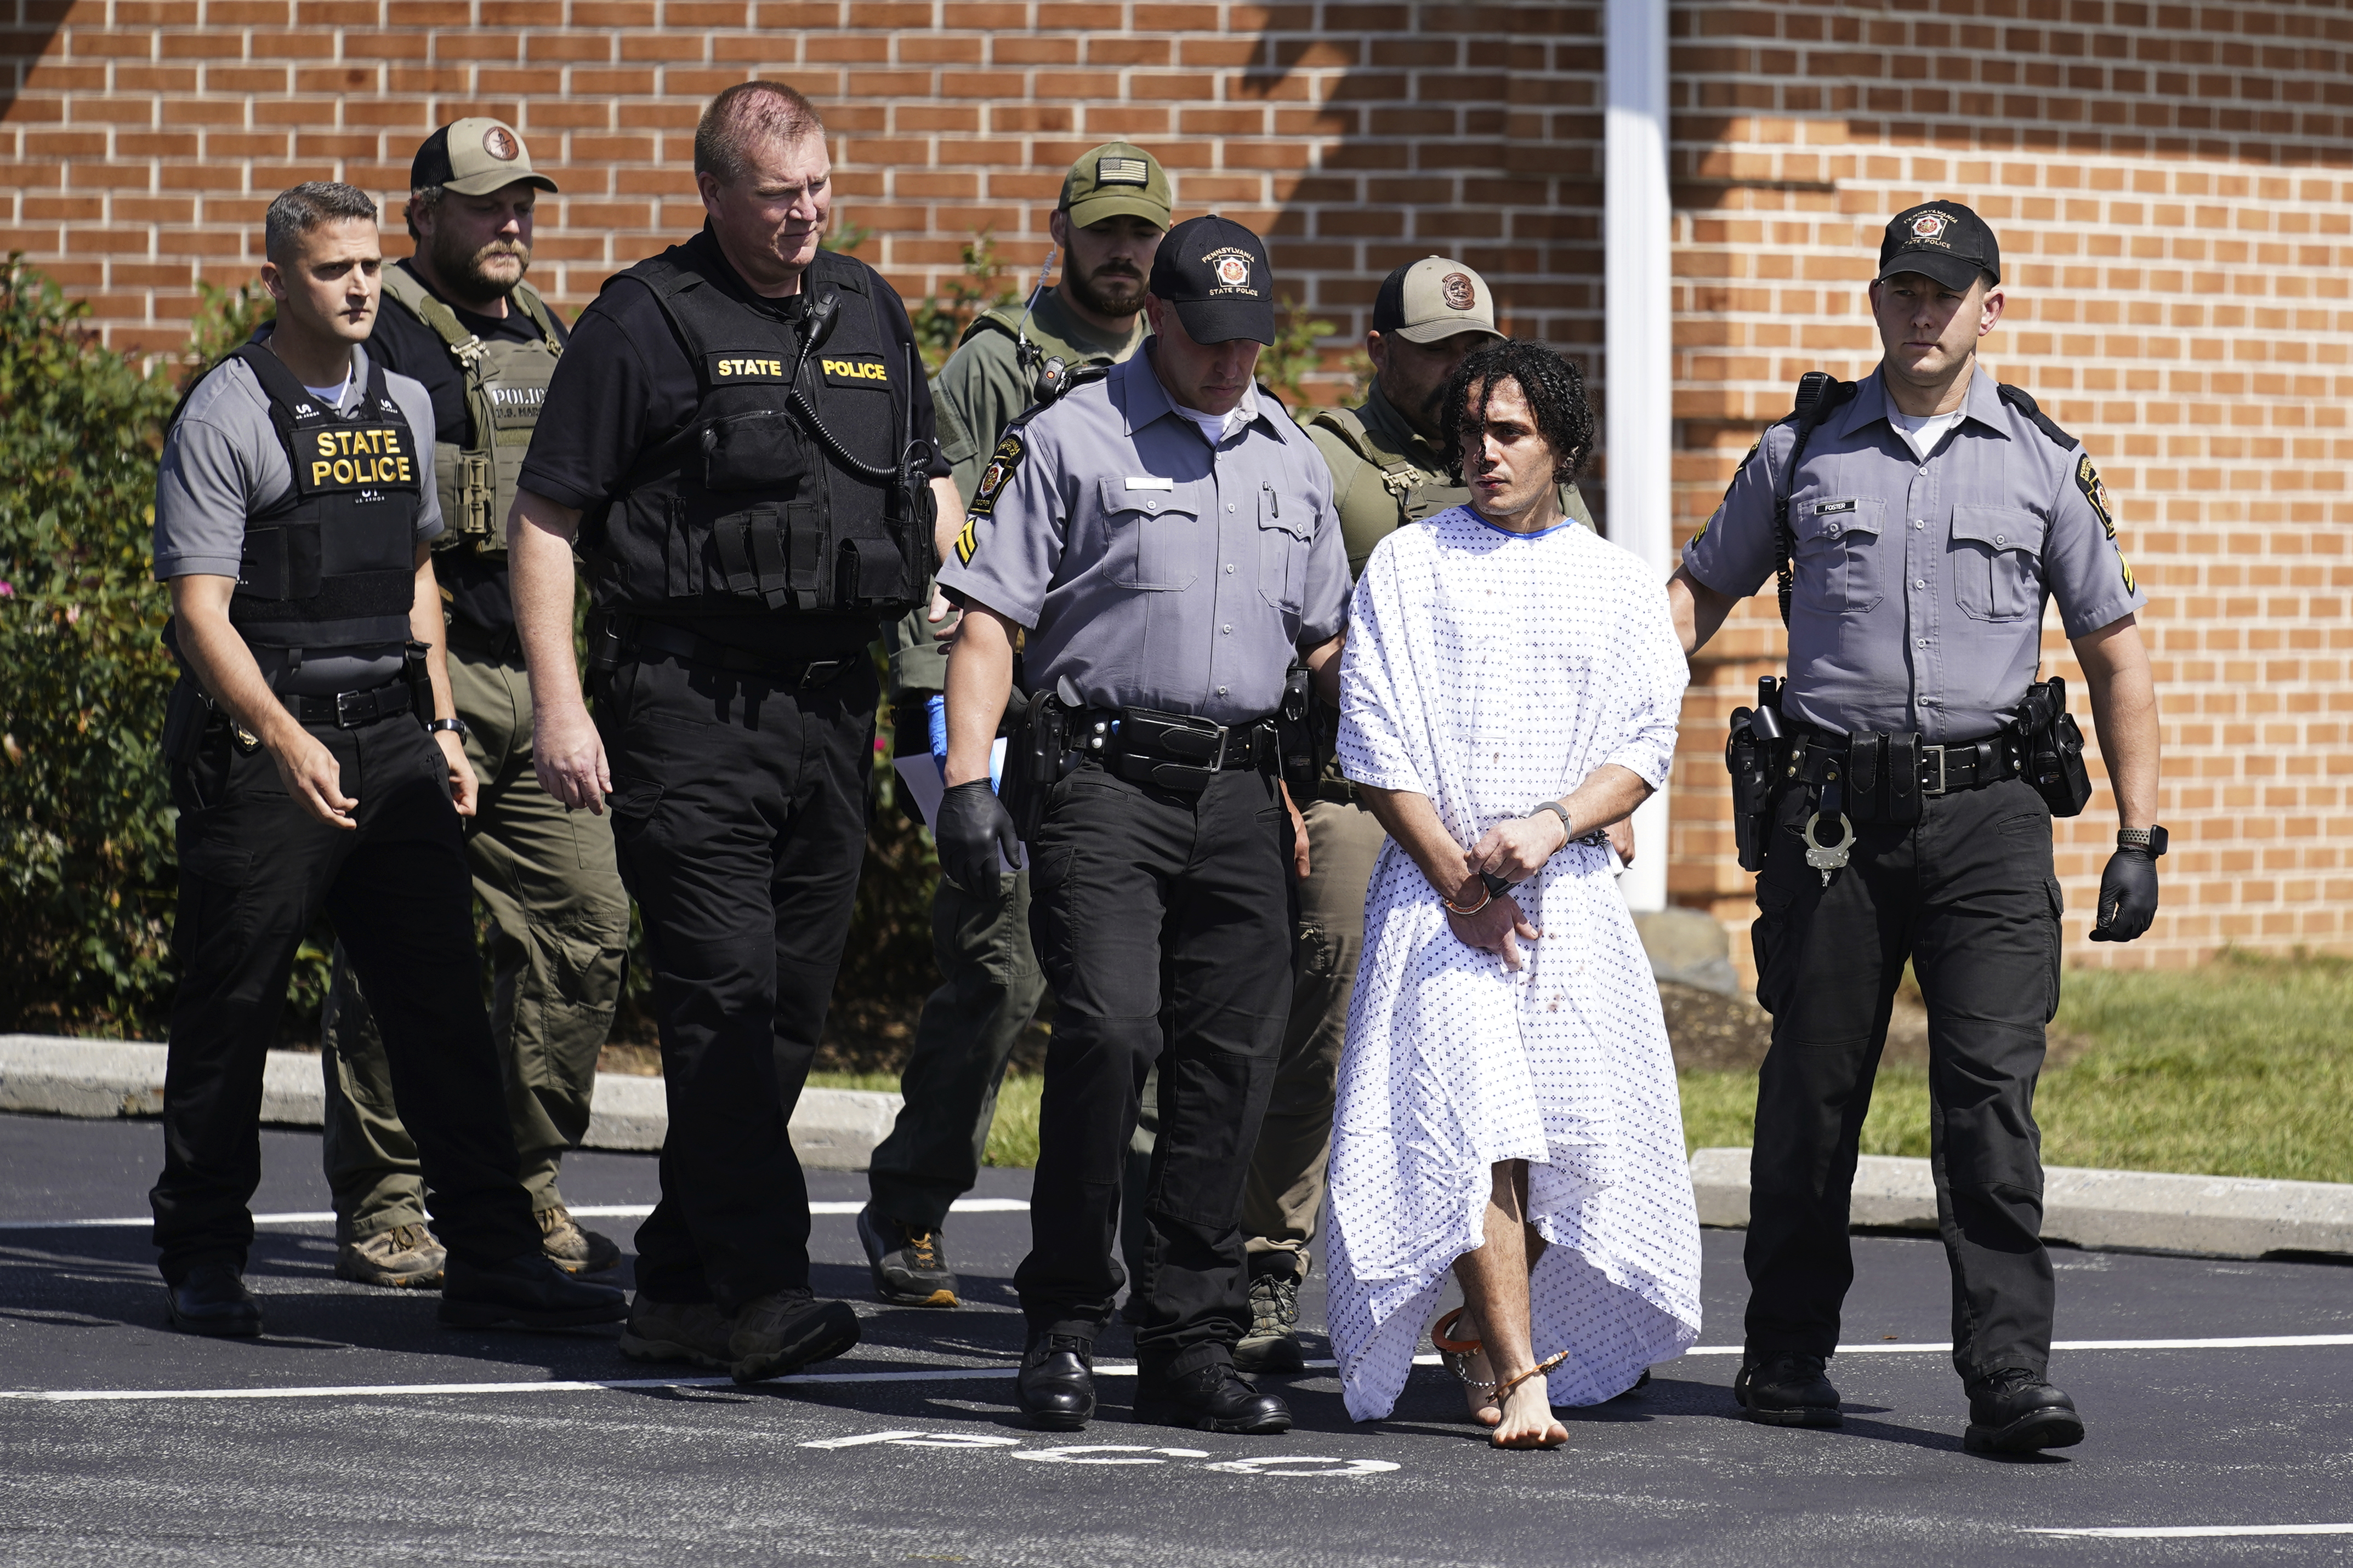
[
  {"x": 473, "y": 158},
  {"x": 1114, "y": 178},
  {"x": 1437, "y": 297}
]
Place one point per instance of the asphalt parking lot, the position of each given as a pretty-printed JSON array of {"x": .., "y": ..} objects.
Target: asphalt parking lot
[{"x": 356, "y": 1431}]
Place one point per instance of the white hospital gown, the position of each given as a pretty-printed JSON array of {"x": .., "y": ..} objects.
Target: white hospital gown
[{"x": 1492, "y": 671}]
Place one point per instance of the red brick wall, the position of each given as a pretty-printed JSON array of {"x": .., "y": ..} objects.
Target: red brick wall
[
  {"x": 2173, "y": 189},
  {"x": 2171, "y": 184},
  {"x": 145, "y": 136}
]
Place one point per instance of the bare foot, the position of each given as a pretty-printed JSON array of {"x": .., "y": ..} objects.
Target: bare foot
[
  {"x": 1457, "y": 1338},
  {"x": 1527, "y": 1420}
]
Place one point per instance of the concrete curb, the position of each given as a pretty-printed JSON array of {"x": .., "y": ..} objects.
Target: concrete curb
[
  {"x": 2147, "y": 1211},
  {"x": 832, "y": 1129}
]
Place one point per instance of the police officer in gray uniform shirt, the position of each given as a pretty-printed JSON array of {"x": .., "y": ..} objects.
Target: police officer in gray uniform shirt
[
  {"x": 293, "y": 510},
  {"x": 1166, "y": 537},
  {"x": 1899, "y": 789}
]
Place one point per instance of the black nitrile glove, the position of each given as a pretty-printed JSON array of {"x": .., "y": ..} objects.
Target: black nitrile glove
[
  {"x": 973, "y": 828},
  {"x": 2128, "y": 896}
]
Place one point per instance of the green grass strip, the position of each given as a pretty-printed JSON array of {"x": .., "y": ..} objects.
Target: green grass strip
[{"x": 2241, "y": 1067}]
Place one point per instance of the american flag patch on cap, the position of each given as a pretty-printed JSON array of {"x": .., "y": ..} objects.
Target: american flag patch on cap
[{"x": 1123, "y": 172}]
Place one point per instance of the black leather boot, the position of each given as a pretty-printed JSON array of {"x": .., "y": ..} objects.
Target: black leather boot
[
  {"x": 526, "y": 1292},
  {"x": 2014, "y": 1410},
  {"x": 1214, "y": 1398},
  {"x": 1057, "y": 1384},
  {"x": 213, "y": 1300},
  {"x": 1787, "y": 1389}
]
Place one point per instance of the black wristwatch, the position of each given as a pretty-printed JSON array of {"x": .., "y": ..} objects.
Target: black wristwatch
[
  {"x": 450, "y": 727},
  {"x": 2151, "y": 839}
]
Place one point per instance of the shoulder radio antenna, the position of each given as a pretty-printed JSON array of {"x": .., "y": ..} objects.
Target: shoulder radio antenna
[{"x": 1021, "y": 332}]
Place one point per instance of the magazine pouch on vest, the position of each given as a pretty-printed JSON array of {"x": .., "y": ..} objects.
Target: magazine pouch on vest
[
  {"x": 790, "y": 490},
  {"x": 333, "y": 564},
  {"x": 505, "y": 383}
]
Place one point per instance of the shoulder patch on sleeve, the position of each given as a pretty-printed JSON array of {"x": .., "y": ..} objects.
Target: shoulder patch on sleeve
[
  {"x": 2087, "y": 480},
  {"x": 2023, "y": 400},
  {"x": 1000, "y": 472},
  {"x": 1754, "y": 448}
]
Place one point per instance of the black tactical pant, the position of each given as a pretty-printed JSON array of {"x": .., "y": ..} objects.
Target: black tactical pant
[
  {"x": 1164, "y": 922},
  {"x": 1968, "y": 894},
  {"x": 739, "y": 814},
  {"x": 255, "y": 870}
]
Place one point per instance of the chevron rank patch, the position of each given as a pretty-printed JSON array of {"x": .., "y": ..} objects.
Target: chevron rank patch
[
  {"x": 968, "y": 539},
  {"x": 994, "y": 479},
  {"x": 2087, "y": 480}
]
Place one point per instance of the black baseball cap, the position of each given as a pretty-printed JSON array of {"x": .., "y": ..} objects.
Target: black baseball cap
[
  {"x": 1943, "y": 241},
  {"x": 1214, "y": 272}
]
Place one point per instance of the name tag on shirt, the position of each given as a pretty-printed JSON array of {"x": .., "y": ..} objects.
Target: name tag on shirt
[
  {"x": 1828, "y": 507},
  {"x": 1150, "y": 482}
]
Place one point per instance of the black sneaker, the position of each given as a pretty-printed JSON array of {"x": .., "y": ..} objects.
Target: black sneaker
[
  {"x": 525, "y": 1292},
  {"x": 911, "y": 1267},
  {"x": 1272, "y": 1342},
  {"x": 1787, "y": 1389},
  {"x": 2015, "y": 1411}
]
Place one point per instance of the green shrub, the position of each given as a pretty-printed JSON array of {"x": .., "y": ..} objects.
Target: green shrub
[{"x": 86, "y": 872}]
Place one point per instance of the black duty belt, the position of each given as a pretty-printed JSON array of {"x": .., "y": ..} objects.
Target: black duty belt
[
  {"x": 1943, "y": 769},
  {"x": 464, "y": 636},
  {"x": 350, "y": 710},
  {"x": 1173, "y": 750},
  {"x": 676, "y": 642}
]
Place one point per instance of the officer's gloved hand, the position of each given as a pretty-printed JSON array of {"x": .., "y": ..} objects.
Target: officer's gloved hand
[
  {"x": 973, "y": 827},
  {"x": 2128, "y": 896}
]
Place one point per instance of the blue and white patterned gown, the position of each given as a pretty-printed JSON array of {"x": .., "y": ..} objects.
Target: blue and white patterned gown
[{"x": 1491, "y": 671}]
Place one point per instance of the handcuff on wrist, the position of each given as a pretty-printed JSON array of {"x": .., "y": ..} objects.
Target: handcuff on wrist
[{"x": 1496, "y": 886}]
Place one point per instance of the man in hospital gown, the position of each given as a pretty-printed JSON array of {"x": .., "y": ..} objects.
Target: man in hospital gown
[{"x": 1508, "y": 1104}]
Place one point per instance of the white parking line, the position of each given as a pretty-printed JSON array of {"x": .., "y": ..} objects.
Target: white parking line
[
  {"x": 2186, "y": 1532},
  {"x": 965, "y": 1373},
  {"x": 583, "y": 1211}
]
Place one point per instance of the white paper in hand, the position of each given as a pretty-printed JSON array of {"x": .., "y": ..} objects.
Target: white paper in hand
[{"x": 924, "y": 781}]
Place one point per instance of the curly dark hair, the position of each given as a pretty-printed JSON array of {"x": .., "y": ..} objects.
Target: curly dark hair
[{"x": 1552, "y": 385}]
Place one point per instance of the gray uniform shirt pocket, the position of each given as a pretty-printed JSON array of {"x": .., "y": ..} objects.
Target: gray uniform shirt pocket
[
  {"x": 1996, "y": 562},
  {"x": 1283, "y": 537},
  {"x": 1146, "y": 534},
  {"x": 1838, "y": 551}
]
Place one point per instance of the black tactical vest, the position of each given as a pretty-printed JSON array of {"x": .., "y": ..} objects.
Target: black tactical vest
[
  {"x": 750, "y": 509},
  {"x": 333, "y": 563}
]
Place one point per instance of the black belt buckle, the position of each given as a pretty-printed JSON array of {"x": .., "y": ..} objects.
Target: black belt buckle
[
  {"x": 347, "y": 710},
  {"x": 831, "y": 667}
]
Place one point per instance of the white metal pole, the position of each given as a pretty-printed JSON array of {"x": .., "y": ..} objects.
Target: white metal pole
[{"x": 1639, "y": 362}]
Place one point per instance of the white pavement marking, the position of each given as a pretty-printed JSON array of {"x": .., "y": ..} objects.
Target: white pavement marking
[
  {"x": 2186, "y": 1531},
  {"x": 962, "y": 1373},
  {"x": 2254, "y": 1342},
  {"x": 582, "y": 1211}
]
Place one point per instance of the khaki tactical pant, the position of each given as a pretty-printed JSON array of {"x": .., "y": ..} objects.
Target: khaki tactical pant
[
  {"x": 1285, "y": 1190},
  {"x": 560, "y": 939}
]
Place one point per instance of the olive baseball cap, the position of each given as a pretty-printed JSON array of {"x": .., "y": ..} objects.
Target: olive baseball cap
[
  {"x": 1943, "y": 241},
  {"x": 1437, "y": 297},
  {"x": 1213, "y": 273},
  {"x": 473, "y": 158},
  {"x": 1113, "y": 179}
]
